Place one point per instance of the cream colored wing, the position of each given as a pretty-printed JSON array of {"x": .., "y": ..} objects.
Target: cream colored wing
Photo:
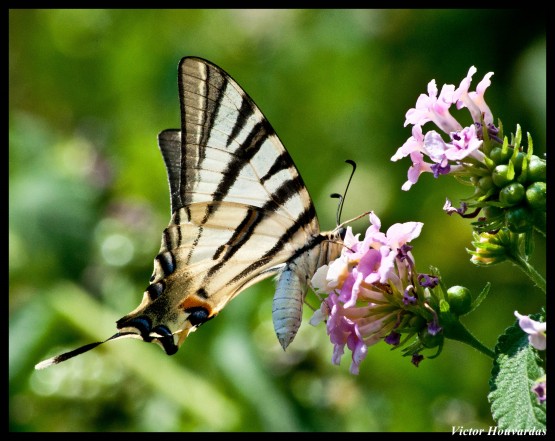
[{"x": 240, "y": 213}]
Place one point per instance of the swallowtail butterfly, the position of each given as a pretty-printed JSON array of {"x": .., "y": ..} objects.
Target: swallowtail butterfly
[{"x": 240, "y": 213}]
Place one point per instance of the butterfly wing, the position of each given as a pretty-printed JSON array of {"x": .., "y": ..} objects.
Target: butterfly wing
[{"x": 240, "y": 213}]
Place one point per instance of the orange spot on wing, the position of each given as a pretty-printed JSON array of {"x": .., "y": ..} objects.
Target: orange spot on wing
[{"x": 194, "y": 301}]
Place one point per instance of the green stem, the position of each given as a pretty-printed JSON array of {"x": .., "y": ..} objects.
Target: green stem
[
  {"x": 455, "y": 330},
  {"x": 530, "y": 271}
]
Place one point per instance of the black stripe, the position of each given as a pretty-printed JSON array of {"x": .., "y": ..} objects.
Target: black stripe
[
  {"x": 171, "y": 237},
  {"x": 179, "y": 236},
  {"x": 253, "y": 218},
  {"x": 241, "y": 158},
  {"x": 303, "y": 220},
  {"x": 176, "y": 222},
  {"x": 184, "y": 136},
  {"x": 279, "y": 197},
  {"x": 244, "y": 113},
  {"x": 211, "y": 107},
  {"x": 195, "y": 243},
  {"x": 209, "y": 210},
  {"x": 282, "y": 162},
  {"x": 284, "y": 193},
  {"x": 167, "y": 239},
  {"x": 201, "y": 292},
  {"x": 316, "y": 240},
  {"x": 241, "y": 235}
]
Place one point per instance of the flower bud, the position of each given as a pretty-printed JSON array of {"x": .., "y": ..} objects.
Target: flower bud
[
  {"x": 485, "y": 184},
  {"x": 490, "y": 248},
  {"x": 512, "y": 194},
  {"x": 459, "y": 299},
  {"x": 537, "y": 169},
  {"x": 536, "y": 197},
  {"x": 501, "y": 175},
  {"x": 499, "y": 156}
]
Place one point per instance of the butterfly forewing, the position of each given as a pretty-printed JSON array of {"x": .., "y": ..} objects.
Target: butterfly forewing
[{"x": 231, "y": 150}]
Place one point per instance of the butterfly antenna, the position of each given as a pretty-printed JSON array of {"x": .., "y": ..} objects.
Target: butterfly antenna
[{"x": 342, "y": 198}]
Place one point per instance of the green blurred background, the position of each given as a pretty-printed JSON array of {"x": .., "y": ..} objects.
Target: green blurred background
[{"x": 88, "y": 200}]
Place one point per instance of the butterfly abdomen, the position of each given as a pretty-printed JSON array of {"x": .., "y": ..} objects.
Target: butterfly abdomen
[
  {"x": 293, "y": 281},
  {"x": 287, "y": 307}
]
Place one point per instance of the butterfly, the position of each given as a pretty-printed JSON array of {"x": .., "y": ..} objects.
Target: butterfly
[{"x": 240, "y": 213}]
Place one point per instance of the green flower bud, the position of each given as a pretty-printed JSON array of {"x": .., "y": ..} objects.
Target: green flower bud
[
  {"x": 535, "y": 196},
  {"x": 537, "y": 169},
  {"x": 490, "y": 248},
  {"x": 499, "y": 157},
  {"x": 500, "y": 175},
  {"x": 459, "y": 299},
  {"x": 485, "y": 184},
  {"x": 512, "y": 194}
]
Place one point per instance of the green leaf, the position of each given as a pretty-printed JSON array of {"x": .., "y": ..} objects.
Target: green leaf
[{"x": 516, "y": 367}]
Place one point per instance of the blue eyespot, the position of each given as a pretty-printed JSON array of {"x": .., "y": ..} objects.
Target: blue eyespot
[
  {"x": 155, "y": 290},
  {"x": 166, "y": 339},
  {"x": 142, "y": 323},
  {"x": 198, "y": 315}
]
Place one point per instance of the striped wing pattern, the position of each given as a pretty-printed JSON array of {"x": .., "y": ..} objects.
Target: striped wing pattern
[{"x": 240, "y": 213}]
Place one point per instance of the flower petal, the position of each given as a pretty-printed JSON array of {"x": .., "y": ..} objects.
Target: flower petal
[{"x": 535, "y": 329}]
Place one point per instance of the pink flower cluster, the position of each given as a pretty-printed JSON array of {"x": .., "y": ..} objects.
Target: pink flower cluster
[
  {"x": 446, "y": 157},
  {"x": 365, "y": 288}
]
